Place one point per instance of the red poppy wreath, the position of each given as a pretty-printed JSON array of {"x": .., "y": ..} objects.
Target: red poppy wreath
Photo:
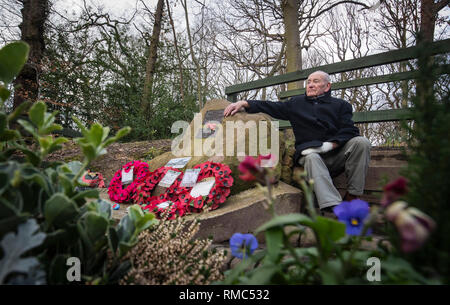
[
  {"x": 218, "y": 193},
  {"x": 116, "y": 191},
  {"x": 167, "y": 203},
  {"x": 143, "y": 196},
  {"x": 93, "y": 179}
]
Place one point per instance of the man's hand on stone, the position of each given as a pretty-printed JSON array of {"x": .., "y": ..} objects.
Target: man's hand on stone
[
  {"x": 326, "y": 147},
  {"x": 235, "y": 107}
]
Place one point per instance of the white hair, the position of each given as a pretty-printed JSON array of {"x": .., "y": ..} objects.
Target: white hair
[{"x": 324, "y": 74}]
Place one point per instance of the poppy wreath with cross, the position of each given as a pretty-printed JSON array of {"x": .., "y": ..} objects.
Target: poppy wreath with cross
[
  {"x": 116, "y": 191},
  {"x": 143, "y": 196},
  {"x": 93, "y": 179},
  {"x": 218, "y": 193},
  {"x": 175, "y": 209}
]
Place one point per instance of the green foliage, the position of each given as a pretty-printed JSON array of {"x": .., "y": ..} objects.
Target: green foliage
[
  {"x": 336, "y": 259},
  {"x": 429, "y": 165},
  {"x": 97, "y": 74},
  {"x": 44, "y": 218}
]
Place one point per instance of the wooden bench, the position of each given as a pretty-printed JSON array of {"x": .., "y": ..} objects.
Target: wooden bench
[{"x": 386, "y": 163}]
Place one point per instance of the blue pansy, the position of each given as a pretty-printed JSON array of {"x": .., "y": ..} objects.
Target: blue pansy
[
  {"x": 352, "y": 213},
  {"x": 242, "y": 245}
]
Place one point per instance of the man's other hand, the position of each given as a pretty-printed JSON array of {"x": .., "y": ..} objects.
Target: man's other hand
[
  {"x": 235, "y": 107},
  {"x": 326, "y": 147}
]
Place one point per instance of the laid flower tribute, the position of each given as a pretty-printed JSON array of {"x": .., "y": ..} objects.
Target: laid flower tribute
[
  {"x": 143, "y": 193},
  {"x": 116, "y": 191},
  {"x": 155, "y": 204},
  {"x": 93, "y": 179},
  {"x": 177, "y": 200},
  {"x": 218, "y": 193}
]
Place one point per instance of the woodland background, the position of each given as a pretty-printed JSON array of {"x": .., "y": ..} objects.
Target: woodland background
[{"x": 157, "y": 62}]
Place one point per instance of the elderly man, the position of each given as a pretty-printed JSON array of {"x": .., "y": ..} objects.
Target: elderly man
[{"x": 326, "y": 140}]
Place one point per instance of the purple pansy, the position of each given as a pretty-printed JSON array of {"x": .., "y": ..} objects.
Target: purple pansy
[
  {"x": 242, "y": 245},
  {"x": 352, "y": 213}
]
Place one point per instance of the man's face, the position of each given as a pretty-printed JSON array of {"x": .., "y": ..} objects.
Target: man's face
[{"x": 317, "y": 84}]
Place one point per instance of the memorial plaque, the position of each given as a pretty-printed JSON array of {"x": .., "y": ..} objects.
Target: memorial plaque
[
  {"x": 202, "y": 188},
  {"x": 127, "y": 178},
  {"x": 178, "y": 162},
  {"x": 213, "y": 115},
  {"x": 169, "y": 178},
  {"x": 190, "y": 177},
  {"x": 210, "y": 120}
]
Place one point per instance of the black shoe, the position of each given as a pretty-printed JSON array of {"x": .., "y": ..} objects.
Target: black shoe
[{"x": 328, "y": 212}]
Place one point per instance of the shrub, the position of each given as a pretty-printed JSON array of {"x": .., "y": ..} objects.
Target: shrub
[
  {"x": 44, "y": 220},
  {"x": 168, "y": 254},
  {"x": 429, "y": 165}
]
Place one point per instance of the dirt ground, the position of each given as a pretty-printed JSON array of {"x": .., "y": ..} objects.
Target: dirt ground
[{"x": 117, "y": 155}]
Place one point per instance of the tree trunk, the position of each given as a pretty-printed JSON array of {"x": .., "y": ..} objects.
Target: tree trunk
[
  {"x": 152, "y": 57},
  {"x": 292, "y": 38},
  {"x": 427, "y": 21},
  {"x": 428, "y": 14},
  {"x": 180, "y": 63},
  {"x": 194, "y": 59},
  {"x": 34, "y": 16}
]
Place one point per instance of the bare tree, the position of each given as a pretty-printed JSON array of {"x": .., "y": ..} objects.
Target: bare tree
[
  {"x": 152, "y": 56},
  {"x": 175, "y": 41},
  {"x": 429, "y": 10},
  {"x": 34, "y": 16},
  {"x": 193, "y": 55}
]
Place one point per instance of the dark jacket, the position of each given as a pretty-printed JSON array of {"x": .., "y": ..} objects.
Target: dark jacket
[{"x": 314, "y": 120}]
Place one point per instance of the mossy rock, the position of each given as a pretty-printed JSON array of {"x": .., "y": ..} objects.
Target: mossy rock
[{"x": 221, "y": 148}]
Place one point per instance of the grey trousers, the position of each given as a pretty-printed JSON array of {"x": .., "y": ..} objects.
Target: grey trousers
[{"x": 353, "y": 158}]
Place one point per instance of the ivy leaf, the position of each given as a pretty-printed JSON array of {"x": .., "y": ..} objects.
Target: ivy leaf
[
  {"x": 37, "y": 113},
  {"x": 59, "y": 209},
  {"x": 15, "y": 245},
  {"x": 13, "y": 57}
]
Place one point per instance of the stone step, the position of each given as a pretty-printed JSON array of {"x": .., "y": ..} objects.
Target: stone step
[
  {"x": 245, "y": 212},
  {"x": 241, "y": 213},
  {"x": 376, "y": 177}
]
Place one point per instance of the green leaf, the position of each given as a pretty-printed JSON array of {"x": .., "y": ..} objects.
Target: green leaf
[
  {"x": 59, "y": 209},
  {"x": 37, "y": 114},
  {"x": 3, "y": 122},
  {"x": 95, "y": 226},
  {"x": 262, "y": 275},
  {"x": 19, "y": 110},
  {"x": 274, "y": 243},
  {"x": 146, "y": 222},
  {"x": 58, "y": 270},
  {"x": 119, "y": 272},
  {"x": 95, "y": 135},
  {"x": 31, "y": 156},
  {"x": 13, "y": 56},
  {"x": 88, "y": 150},
  {"x": 74, "y": 166},
  {"x": 232, "y": 277},
  {"x": 81, "y": 126},
  {"x": 93, "y": 193},
  {"x": 28, "y": 127},
  {"x": 15, "y": 245},
  {"x": 332, "y": 272},
  {"x": 9, "y": 135},
  {"x": 100, "y": 206},
  {"x": 284, "y": 220},
  {"x": 120, "y": 134},
  {"x": 113, "y": 239},
  {"x": 329, "y": 231},
  {"x": 4, "y": 95}
]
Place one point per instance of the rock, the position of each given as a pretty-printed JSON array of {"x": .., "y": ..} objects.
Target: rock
[
  {"x": 245, "y": 212},
  {"x": 229, "y": 144}
]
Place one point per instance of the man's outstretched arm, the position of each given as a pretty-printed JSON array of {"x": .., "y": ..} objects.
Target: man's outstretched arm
[{"x": 235, "y": 107}]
